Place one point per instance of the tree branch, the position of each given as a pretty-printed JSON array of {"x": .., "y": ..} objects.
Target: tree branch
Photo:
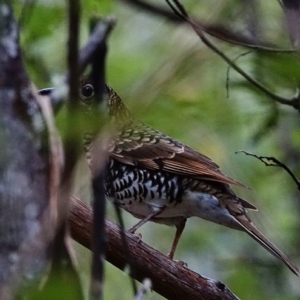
[
  {"x": 27, "y": 188},
  {"x": 98, "y": 179},
  {"x": 96, "y": 40},
  {"x": 168, "y": 278},
  {"x": 220, "y": 32},
  {"x": 291, "y": 9},
  {"x": 180, "y": 11},
  {"x": 274, "y": 163}
]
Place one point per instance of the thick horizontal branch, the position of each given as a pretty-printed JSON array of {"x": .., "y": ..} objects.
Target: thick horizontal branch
[{"x": 168, "y": 278}]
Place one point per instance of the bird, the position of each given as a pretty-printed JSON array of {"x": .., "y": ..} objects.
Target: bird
[{"x": 157, "y": 178}]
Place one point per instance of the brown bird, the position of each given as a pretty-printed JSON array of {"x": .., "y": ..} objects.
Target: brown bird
[{"x": 158, "y": 179}]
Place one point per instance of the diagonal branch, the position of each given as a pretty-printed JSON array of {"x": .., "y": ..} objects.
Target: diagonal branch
[
  {"x": 225, "y": 34},
  {"x": 96, "y": 41},
  {"x": 168, "y": 278},
  {"x": 179, "y": 10}
]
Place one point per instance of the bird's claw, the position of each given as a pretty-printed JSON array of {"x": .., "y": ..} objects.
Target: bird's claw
[
  {"x": 137, "y": 236},
  {"x": 181, "y": 263}
]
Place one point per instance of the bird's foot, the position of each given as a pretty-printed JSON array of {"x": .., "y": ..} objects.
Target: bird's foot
[
  {"x": 137, "y": 236},
  {"x": 181, "y": 263}
]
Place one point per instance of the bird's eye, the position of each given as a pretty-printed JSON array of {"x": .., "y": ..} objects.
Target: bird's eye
[{"x": 87, "y": 91}]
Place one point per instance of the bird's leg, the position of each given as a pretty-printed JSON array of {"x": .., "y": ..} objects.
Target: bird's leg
[
  {"x": 146, "y": 219},
  {"x": 179, "y": 229}
]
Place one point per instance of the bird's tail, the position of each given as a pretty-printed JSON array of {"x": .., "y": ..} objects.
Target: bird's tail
[{"x": 251, "y": 229}]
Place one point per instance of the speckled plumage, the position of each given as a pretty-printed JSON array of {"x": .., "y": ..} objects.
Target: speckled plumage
[{"x": 155, "y": 177}]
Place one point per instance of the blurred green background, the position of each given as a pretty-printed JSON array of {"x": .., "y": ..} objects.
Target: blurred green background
[{"x": 171, "y": 81}]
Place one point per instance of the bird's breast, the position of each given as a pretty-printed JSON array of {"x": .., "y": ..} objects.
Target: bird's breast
[{"x": 142, "y": 191}]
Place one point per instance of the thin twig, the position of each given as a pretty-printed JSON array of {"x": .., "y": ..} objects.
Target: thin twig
[
  {"x": 73, "y": 42},
  {"x": 275, "y": 163},
  {"x": 229, "y": 68},
  {"x": 225, "y": 34},
  {"x": 179, "y": 10},
  {"x": 72, "y": 140},
  {"x": 143, "y": 290},
  {"x": 98, "y": 177},
  {"x": 126, "y": 248},
  {"x": 99, "y": 209},
  {"x": 96, "y": 41}
]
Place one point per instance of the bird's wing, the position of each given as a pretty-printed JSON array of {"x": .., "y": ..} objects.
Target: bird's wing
[{"x": 140, "y": 145}]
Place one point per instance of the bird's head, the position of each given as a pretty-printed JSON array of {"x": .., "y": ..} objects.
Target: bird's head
[
  {"x": 113, "y": 104},
  {"x": 112, "y": 101}
]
